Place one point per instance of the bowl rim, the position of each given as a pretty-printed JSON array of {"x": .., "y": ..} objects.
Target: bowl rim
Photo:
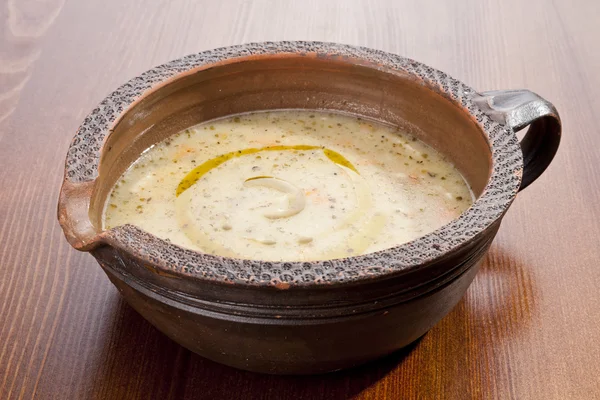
[{"x": 161, "y": 256}]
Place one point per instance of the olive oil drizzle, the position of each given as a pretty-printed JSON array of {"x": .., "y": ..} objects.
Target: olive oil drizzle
[{"x": 194, "y": 175}]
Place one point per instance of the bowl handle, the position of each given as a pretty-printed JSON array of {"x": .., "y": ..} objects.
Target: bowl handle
[{"x": 521, "y": 108}]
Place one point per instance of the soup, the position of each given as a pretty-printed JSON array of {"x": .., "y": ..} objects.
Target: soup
[{"x": 289, "y": 185}]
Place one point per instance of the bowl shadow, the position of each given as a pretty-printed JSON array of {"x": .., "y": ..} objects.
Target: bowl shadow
[
  {"x": 139, "y": 362},
  {"x": 142, "y": 363},
  {"x": 471, "y": 353}
]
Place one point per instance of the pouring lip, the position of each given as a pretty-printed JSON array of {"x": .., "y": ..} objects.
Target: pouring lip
[{"x": 81, "y": 170}]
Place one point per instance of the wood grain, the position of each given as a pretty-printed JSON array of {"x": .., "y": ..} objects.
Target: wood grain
[{"x": 529, "y": 326}]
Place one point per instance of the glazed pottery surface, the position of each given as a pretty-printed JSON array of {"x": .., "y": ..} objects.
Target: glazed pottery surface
[{"x": 303, "y": 317}]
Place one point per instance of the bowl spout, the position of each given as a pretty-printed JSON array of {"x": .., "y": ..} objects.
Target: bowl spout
[{"x": 73, "y": 215}]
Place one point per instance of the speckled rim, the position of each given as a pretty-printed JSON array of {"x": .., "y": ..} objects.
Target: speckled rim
[{"x": 507, "y": 167}]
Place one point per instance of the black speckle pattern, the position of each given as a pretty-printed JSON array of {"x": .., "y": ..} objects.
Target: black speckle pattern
[{"x": 84, "y": 155}]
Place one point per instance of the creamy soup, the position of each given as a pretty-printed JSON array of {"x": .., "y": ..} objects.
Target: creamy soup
[{"x": 289, "y": 185}]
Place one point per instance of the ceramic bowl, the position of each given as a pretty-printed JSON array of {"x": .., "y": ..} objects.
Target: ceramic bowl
[{"x": 303, "y": 317}]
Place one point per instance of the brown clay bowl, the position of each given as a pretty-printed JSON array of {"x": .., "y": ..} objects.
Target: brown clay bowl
[{"x": 303, "y": 317}]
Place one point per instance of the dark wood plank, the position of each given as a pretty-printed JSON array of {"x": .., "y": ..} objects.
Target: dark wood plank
[{"x": 529, "y": 326}]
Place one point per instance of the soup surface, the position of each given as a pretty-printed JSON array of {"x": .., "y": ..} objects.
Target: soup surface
[{"x": 289, "y": 185}]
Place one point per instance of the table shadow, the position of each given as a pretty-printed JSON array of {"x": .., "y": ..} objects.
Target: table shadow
[{"x": 141, "y": 363}]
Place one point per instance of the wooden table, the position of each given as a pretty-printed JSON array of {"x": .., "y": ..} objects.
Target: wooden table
[{"x": 529, "y": 326}]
